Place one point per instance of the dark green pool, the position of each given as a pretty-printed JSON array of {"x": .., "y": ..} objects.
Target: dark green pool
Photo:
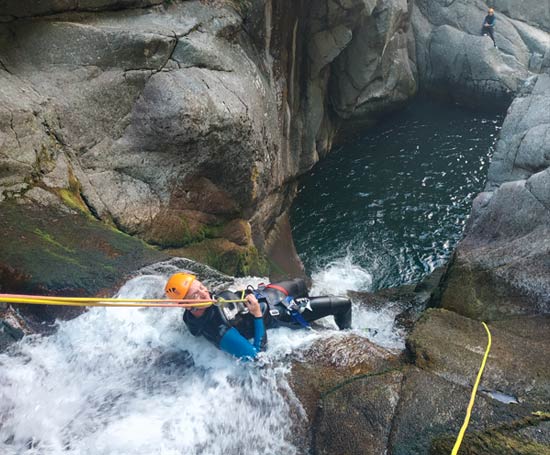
[{"x": 393, "y": 202}]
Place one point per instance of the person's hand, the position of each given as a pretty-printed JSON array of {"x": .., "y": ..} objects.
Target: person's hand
[{"x": 253, "y": 306}]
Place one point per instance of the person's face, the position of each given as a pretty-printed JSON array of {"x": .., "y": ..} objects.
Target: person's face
[
  {"x": 491, "y": 13},
  {"x": 197, "y": 291}
]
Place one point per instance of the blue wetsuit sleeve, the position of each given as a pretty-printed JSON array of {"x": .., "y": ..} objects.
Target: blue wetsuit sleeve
[
  {"x": 235, "y": 344},
  {"x": 259, "y": 332}
]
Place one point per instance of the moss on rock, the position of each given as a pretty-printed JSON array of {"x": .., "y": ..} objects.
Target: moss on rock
[{"x": 226, "y": 256}]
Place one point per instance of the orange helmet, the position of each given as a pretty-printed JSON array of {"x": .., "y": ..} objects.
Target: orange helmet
[{"x": 178, "y": 285}]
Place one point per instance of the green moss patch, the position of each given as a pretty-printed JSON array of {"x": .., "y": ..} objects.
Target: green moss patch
[
  {"x": 43, "y": 250},
  {"x": 226, "y": 256}
]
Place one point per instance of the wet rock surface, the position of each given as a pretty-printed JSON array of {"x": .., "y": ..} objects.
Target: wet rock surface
[
  {"x": 8, "y": 334},
  {"x": 408, "y": 302},
  {"x": 526, "y": 436},
  {"x": 452, "y": 347},
  {"x": 356, "y": 417},
  {"x": 333, "y": 361},
  {"x": 364, "y": 400},
  {"x": 338, "y": 380},
  {"x": 186, "y": 124}
]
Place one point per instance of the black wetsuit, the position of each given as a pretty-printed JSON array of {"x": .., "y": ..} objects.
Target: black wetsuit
[
  {"x": 490, "y": 27},
  {"x": 230, "y": 329}
]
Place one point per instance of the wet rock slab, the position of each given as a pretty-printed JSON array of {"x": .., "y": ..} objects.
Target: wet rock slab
[
  {"x": 337, "y": 380},
  {"x": 356, "y": 417},
  {"x": 53, "y": 252},
  {"x": 448, "y": 349},
  {"x": 452, "y": 346},
  {"x": 364, "y": 400}
]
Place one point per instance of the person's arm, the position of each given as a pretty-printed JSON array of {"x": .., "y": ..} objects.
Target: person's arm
[
  {"x": 255, "y": 310},
  {"x": 259, "y": 333},
  {"x": 235, "y": 344}
]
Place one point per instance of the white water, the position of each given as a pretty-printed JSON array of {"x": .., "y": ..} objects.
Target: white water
[{"x": 134, "y": 381}]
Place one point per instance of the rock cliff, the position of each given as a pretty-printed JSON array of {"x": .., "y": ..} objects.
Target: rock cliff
[{"x": 187, "y": 123}]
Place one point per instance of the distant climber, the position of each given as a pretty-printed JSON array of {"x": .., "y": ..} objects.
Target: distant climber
[
  {"x": 488, "y": 27},
  {"x": 230, "y": 326}
]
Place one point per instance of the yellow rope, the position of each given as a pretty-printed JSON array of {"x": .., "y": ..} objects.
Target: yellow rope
[
  {"x": 93, "y": 301},
  {"x": 474, "y": 391},
  {"x": 98, "y": 299}
]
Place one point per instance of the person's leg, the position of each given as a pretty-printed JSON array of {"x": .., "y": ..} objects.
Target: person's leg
[
  {"x": 339, "y": 307},
  {"x": 492, "y": 35}
]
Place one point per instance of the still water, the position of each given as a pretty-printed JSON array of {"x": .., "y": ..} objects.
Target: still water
[{"x": 392, "y": 203}]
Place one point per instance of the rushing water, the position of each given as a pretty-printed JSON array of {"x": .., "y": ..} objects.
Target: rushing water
[
  {"x": 384, "y": 210},
  {"x": 393, "y": 202}
]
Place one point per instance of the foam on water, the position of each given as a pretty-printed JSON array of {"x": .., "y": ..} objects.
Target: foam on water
[
  {"x": 343, "y": 275},
  {"x": 340, "y": 276}
]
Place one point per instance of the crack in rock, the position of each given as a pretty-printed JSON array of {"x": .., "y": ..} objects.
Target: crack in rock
[{"x": 13, "y": 129}]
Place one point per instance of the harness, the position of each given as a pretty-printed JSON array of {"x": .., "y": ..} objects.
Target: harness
[{"x": 292, "y": 305}]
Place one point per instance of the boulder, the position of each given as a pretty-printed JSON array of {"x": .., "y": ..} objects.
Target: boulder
[
  {"x": 143, "y": 107},
  {"x": 531, "y": 11},
  {"x": 355, "y": 418},
  {"x": 332, "y": 362},
  {"x": 363, "y": 400},
  {"x": 431, "y": 408},
  {"x": 447, "y": 350},
  {"x": 470, "y": 68},
  {"x": 373, "y": 73},
  {"x": 523, "y": 148},
  {"x": 142, "y": 102},
  {"x": 8, "y": 334}
]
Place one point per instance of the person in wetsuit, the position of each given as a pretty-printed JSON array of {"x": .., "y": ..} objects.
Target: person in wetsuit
[
  {"x": 231, "y": 326},
  {"x": 488, "y": 27},
  {"x": 212, "y": 323}
]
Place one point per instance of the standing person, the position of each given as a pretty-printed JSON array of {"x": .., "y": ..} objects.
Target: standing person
[{"x": 489, "y": 25}]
